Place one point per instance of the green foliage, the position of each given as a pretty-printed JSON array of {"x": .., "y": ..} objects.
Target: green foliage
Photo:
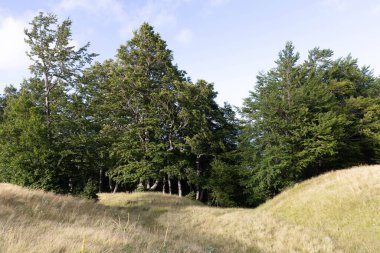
[
  {"x": 306, "y": 119},
  {"x": 137, "y": 120},
  {"x": 41, "y": 136},
  {"x": 51, "y": 53},
  {"x": 164, "y": 126},
  {"x": 90, "y": 190},
  {"x": 223, "y": 184},
  {"x": 140, "y": 188},
  {"x": 25, "y": 153},
  {"x": 190, "y": 195}
]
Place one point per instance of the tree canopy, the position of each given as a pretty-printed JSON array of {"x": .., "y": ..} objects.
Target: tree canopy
[{"x": 138, "y": 122}]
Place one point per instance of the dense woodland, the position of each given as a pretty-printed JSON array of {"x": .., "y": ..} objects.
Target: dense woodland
[{"x": 139, "y": 123}]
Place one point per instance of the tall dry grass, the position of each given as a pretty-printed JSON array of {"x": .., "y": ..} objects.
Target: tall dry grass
[
  {"x": 344, "y": 204},
  {"x": 337, "y": 212},
  {"x": 36, "y": 221}
]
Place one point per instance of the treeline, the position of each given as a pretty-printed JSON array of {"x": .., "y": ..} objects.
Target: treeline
[{"x": 138, "y": 123}]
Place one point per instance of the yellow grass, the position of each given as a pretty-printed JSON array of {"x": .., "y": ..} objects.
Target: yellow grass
[
  {"x": 344, "y": 205},
  {"x": 336, "y": 212}
]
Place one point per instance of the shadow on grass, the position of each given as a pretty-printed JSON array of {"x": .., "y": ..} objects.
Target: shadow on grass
[{"x": 146, "y": 212}]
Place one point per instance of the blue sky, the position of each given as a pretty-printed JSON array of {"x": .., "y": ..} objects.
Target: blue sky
[{"x": 226, "y": 42}]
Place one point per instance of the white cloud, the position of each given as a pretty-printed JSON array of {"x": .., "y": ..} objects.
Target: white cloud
[
  {"x": 184, "y": 37},
  {"x": 157, "y": 12},
  {"x": 12, "y": 45},
  {"x": 160, "y": 13},
  {"x": 14, "y": 62},
  {"x": 109, "y": 7}
]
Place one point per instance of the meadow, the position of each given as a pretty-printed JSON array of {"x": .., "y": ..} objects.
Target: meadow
[{"x": 336, "y": 212}]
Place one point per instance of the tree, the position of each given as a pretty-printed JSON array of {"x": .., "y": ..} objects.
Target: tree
[
  {"x": 54, "y": 58},
  {"x": 270, "y": 122},
  {"x": 166, "y": 129},
  {"x": 103, "y": 115},
  {"x": 305, "y": 119},
  {"x": 8, "y": 92},
  {"x": 24, "y": 150},
  {"x": 145, "y": 73},
  {"x": 39, "y": 122}
]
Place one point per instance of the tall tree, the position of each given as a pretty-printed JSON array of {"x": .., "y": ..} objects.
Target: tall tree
[
  {"x": 146, "y": 72},
  {"x": 55, "y": 59},
  {"x": 40, "y": 117},
  {"x": 24, "y": 149},
  {"x": 305, "y": 119}
]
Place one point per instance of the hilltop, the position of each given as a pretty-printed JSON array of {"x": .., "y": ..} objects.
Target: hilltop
[{"x": 335, "y": 212}]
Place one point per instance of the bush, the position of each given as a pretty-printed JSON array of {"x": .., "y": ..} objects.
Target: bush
[
  {"x": 90, "y": 190},
  {"x": 191, "y": 195},
  {"x": 140, "y": 188}
]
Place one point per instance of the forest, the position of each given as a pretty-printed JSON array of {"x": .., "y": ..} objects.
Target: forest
[{"x": 138, "y": 122}]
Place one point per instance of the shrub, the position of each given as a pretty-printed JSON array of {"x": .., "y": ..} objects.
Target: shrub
[{"x": 90, "y": 190}]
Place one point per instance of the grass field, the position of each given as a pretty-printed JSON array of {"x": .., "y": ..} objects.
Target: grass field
[{"x": 336, "y": 212}]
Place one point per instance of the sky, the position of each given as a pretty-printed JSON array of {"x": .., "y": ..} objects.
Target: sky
[{"x": 226, "y": 42}]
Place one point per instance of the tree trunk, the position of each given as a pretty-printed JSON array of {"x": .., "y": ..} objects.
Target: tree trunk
[
  {"x": 70, "y": 185},
  {"x": 148, "y": 184},
  {"x": 201, "y": 195},
  {"x": 197, "y": 193},
  {"x": 170, "y": 142},
  {"x": 141, "y": 184},
  {"x": 110, "y": 184},
  {"x": 170, "y": 185},
  {"x": 47, "y": 99},
  {"x": 115, "y": 189},
  {"x": 163, "y": 185},
  {"x": 179, "y": 188},
  {"x": 100, "y": 179},
  {"x": 154, "y": 186}
]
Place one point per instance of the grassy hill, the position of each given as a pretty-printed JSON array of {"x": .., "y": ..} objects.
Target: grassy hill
[{"x": 336, "y": 212}]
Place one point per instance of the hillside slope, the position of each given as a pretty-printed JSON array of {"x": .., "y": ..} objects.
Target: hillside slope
[
  {"x": 336, "y": 212},
  {"x": 344, "y": 204}
]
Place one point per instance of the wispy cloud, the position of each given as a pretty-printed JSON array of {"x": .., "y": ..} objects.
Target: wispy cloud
[
  {"x": 105, "y": 8},
  {"x": 158, "y": 13},
  {"x": 12, "y": 45}
]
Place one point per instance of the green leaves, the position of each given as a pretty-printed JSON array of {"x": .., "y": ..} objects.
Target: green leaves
[
  {"x": 51, "y": 51},
  {"x": 42, "y": 132},
  {"x": 305, "y": 119}
]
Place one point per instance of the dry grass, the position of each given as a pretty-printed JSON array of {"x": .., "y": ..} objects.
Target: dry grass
[
  {"x": 337, "y": 212},
  {"x": 35, "y": 221},
  {"x": 344, "y": 204}
]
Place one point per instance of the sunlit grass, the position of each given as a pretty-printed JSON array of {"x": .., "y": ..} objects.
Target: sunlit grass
[
  {"x": 336, "y": 212},
  {"x": 344, "y": 204}
]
